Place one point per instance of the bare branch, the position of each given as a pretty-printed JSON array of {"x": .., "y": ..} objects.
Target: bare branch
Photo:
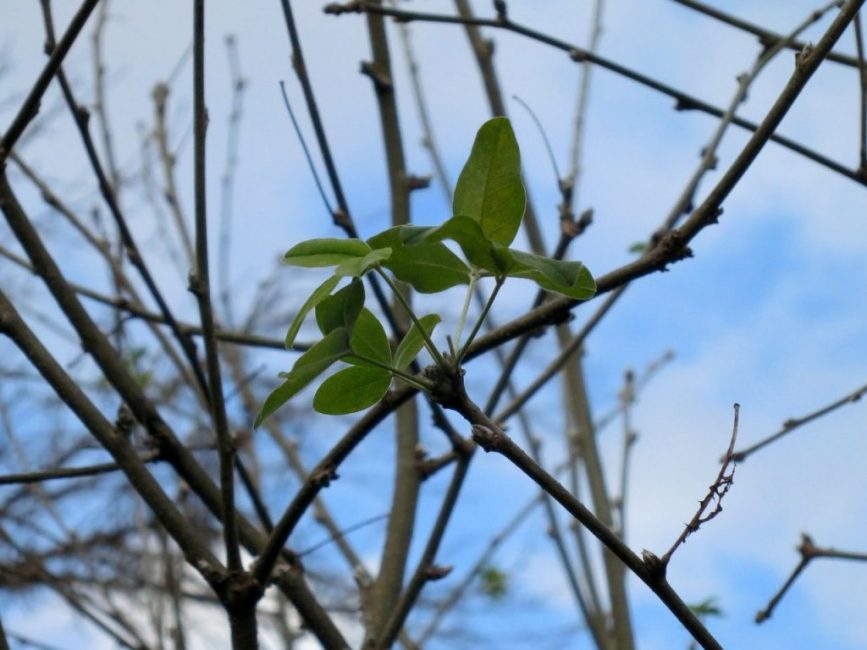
[
  {"x": 715, "y": 493},
  {"x": 793, "y": 423},
  {"x": 30, "y": 107},
  {"x": 809, "y": 551}
]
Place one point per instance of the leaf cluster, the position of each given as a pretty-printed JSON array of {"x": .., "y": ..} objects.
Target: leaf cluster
[{"x": 488, "y": 207}]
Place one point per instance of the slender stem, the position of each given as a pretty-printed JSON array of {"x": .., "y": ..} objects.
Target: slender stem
[
  {"x": 426, "y": 570},
  {"x": 134, "y": 254},
  {"x": 649, "y": 568},
  {"x": 765, "y": 36},
  {"x": 809, "y": 551},
  {"x": 69, "y": 472},
  {"x": 195, "y": 549},
  {"x": 415, "y": 382},
  {"x": 429, "y": 344},
  {"x": 200, "y": 284},
  {"x": 320, "y": 477},
  {"x": 4, "y": 642},
  {"x": 482, "y": 316},
  {"x": 685, "y": 102},
  {"x": 675, "y": 245},
  {"x": 462, "y": 321},
  {"x": 793, "y": 423},
  {"x": 862, "y": 77},
  {"x": 30, "y": 107}
]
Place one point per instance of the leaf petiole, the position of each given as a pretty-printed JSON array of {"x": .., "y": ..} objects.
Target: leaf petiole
[
  {"x": 416, "y": 382},
  {"x": 402, "y": 300},
  {"x": 462, "y": 321},
  {"x": 482, "y": 316}
]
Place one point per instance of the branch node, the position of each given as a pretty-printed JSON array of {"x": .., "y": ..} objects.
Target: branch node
[
  {"x": 82, "y": 115},
  {"x": 656, "y": 566},
  {"x": 802, "y": 58},
  {"x": 487, "y": 438},
  {"x": 322, "y": 476},
  {"x": 337, "y": 9},
  {"x": 381, "y": 80},
  {"x": 436, "y": 572},
  {"x": 414, "y": 182},
  {"x": 578, "y": 55},
  {"x": 685, "y": 103}
]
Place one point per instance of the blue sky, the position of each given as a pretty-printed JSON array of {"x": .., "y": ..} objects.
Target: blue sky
[{"x": 769, "y": 312}]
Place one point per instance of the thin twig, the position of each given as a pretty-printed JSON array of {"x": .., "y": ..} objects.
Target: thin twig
[
  {"x": 426, "y": 571},
  {"x": 100, "y": 107},
  {"x": 715, "y": 494},
  {"x": 30, "y": 106},
  {"x": 69, "y": 472},
  {"x": 80, "y": 116},
  {"x": 862, "y": 78},
  {"x": 227, "y": 180},
  {"x": 160, "y": 95},
  {"x": 766, "y": 37},
  {"x": 627, "y": 399},
  {"x": 570, "y": 183},
  {"x": 674, "y": 246},
  {"x": 793, "y": 423},
  {"x": 684, "y": 101},
  {"x": 429, "y": 141},
  {"x": 650, "y": 570},
  {"x": 342, "y": 217},
  {"x": 808, "y": 551},
  {"x": 306, "y": 150},
  {"x": 201, "y": 287},
  {"x": 181, "y": 459},
  {"x": 340, "y": 534}
]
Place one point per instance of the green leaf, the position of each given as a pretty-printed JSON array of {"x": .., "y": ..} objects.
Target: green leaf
[
  {"x": 638, "y": 247},
  {"x": 570, "y": 279},
  {"x": 468, "y": 234},
  {"x": 369, "y": 339},
  {"x": 321, "y": 293},
  {"x": 325, "y": 252},
  {"x": 341, "y": 309},
  {"x": 413, "y": 342},
  {"x": 489, "y": 189},
  {"x": 707, "y": 608},
  {"x": 429, "y": 267},
  {"x": 352, "y": 389},
  {"x": 358, "y": 266},
  {"x": 309, "y": 365},
  {"x": 495, "y": 583}
]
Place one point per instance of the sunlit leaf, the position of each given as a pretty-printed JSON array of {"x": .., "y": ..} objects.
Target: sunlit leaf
[
  {"x": 429, "y": 267},
  {"x": 413, "y": 342},
  {"x": 358, "y": 266},
  {"x": 570, "y": 279},
  {"x": 325, "y": 252},
  {"x": 352, "y": 389},
  {"x": 469, "y": 236},
  {"x": 321, "y": 293},
  {"x": 489, "y": 189},
  {"x": 369, "y": 338}
]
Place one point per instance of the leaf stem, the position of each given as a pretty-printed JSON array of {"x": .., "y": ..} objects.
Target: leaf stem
[
  {"x": 482, "y": 316},
  {"x": 415, "y": 382},
  {"x": 462, "y": 321},
  {"x": 402, "y": 300}
]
